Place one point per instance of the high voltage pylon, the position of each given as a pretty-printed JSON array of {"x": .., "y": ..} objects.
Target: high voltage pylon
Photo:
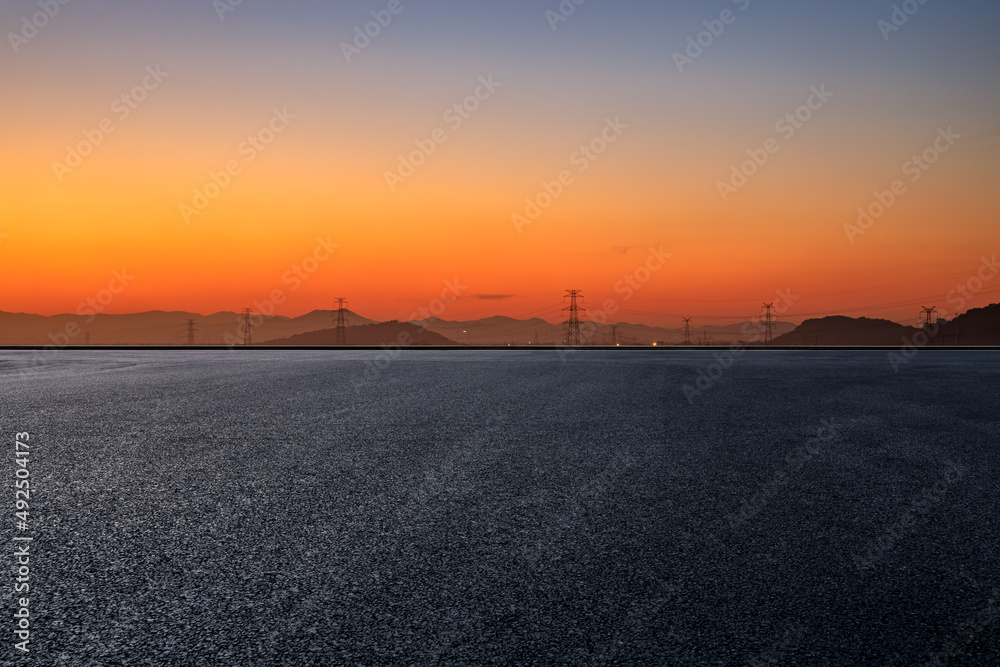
[
  {"x": 687, "y": 330},
  {"x": 573, "y": 323},
  {"x": 189, "y": 338},
  {"x": 614, "y": 335},
  {"x": 247, "y": 332},
  {"x": 929, "y": 315},
  {"x": 768, "y": 325},
  {"x": 341, "y": 338}
]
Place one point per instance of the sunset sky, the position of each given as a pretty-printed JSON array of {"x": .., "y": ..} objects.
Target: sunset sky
[{"x": 670, "y": 137}]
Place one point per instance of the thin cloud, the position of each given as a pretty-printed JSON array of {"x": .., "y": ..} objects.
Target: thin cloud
[
  {"x": 623, "y": 249},
  {"x": 494, "y": 297}
]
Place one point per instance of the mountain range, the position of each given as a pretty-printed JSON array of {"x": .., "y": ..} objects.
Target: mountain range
[
  {"x": 980, "y": 326},
  {"x": 226, "y": 328},
  {"x": 156, "y": 328}
]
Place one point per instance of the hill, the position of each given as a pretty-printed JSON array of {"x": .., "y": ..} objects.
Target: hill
[
  {"x": 840, "y": 330},
  {"x": 153, "y": 328},
  {"x": 381, "y": 334},
  {"x": 503, "y": 330},
  {"x": 980, "y": 326},
  {"x": 226, "y": 328}
]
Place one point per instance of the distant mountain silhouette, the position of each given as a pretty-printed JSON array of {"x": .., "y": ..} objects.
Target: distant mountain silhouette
[
  {"x": 226, "y": 328},
  {"x": 501, "y": 330},
  {"x": 498, "y": 330},
  {"x": 154, "y": 328},
  {"x": 980, "y": 326},
  {"x": 840, "y": 330},
  {"x": 383, "y": 333},
  {"x": 976, "y": 327}
]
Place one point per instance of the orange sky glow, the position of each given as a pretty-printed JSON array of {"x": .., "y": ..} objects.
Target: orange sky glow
[{"x": 648, "y": 187}]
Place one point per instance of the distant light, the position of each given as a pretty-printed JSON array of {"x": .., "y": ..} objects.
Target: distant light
[{"x": 655, "y": 344}]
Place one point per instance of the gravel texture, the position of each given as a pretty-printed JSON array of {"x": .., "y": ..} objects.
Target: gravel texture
[{"x": 508, "y": 508}]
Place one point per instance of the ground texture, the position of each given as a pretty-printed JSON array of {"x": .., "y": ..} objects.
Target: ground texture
[{"x": 522, "y": 508}]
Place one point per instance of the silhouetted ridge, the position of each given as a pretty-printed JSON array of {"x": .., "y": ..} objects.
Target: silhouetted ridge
[
  {"x": 980, "y": 326},
  {"x": 384, "y": 333}
]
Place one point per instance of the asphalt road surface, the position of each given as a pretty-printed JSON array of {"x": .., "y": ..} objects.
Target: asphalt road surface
[{"x": 495, "y": 508}]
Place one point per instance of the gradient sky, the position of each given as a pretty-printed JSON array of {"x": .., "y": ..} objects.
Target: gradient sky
[{"x": 324, "y": 176}]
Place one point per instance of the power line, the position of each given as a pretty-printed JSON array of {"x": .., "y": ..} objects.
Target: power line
[
  {"x": 768, "y": 329},
  {"x": 822, "y": 294},
  {"x": 573, "y": 323},
  {"x": 189, "y": 338},
  {"x": 247, "y": 331},
  {"x": 341, "y": 337}
]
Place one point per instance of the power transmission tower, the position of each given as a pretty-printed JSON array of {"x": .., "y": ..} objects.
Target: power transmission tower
[
  {"x": 687, "y": 330},
  {"x": 768, "y": 326},
  {"x": 247, "y": 331},
  {"x": 614, "y": 335},
  {"x": 189, "y": 339},
  {"x": 341, "y": 322},
  {"x": 573, "y": 323},
  {"x": 930, "y": 321}
]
